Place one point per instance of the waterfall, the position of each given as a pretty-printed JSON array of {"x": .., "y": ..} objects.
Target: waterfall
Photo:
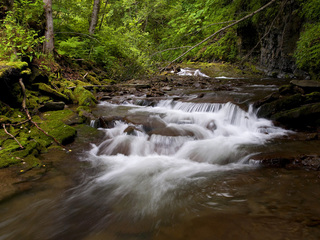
[{"x": 175, "y": 145}]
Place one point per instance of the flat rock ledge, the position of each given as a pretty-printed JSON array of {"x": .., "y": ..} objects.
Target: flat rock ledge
[{"x": 306, "y": 162}]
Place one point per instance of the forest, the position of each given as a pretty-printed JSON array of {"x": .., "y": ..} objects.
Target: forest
[
  {"x": 159, "y": 119},
  {"x": 129, "y": 38}
]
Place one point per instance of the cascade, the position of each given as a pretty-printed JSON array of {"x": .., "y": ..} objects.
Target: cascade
[{"x": 177, "y": 144}]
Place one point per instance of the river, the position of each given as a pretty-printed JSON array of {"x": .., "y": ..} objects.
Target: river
[{"x": 176, "y": 167}]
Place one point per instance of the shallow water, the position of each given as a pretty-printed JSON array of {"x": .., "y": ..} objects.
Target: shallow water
[{"x": 180, "y": 169}]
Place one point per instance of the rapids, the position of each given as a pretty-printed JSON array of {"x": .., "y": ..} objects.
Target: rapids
[
  {"x": 173, "y": 146},
  {"x": 172, "y": 169}
]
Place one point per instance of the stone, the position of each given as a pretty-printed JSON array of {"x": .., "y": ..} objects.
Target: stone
[
  {"x": 282, "y": 104},
  {"x": 307, "y": 85},
  {"x": 52, "y": 106},
  {"x": 47, "y": 90},
  {"x": 167, "y": 88},
  {"x": 302, "y": 117}
]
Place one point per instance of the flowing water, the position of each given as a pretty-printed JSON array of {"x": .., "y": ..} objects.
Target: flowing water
[{"x": 179, "y": 169}]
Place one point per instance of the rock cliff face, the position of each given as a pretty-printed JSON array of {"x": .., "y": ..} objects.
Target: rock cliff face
[
  {"x": 277, "y": 39},
  {"x": 278, "y": 46}
]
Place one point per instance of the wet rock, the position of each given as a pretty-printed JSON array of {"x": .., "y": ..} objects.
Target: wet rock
[
  {"x": 281, "y": 104},
  {"x": 108, "y": 122},
  {"x": 131, "y": 130},
  {"x": 270, "y": 98},
  {"x": 201, "y": 95},
  {"x": 212, "y": 125},
  {"x": 312, "y": 97},
  {"x": 307, "y": 162},
  {"x": 286, "y": 90},
  {"x": 167, "y": 88},
  {"x": 105, "y": 98},
  {"x": 52, "y": 106},
  {"x": 304, "y": 116},
  {"x": 307, "y": 85}
]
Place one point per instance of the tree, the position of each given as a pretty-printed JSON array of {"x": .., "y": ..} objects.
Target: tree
[
  {"x": 48, "y": 46},
  {"x": 94, "y": 16}
]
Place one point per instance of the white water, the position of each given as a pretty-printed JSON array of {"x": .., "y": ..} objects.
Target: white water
[
  {"x": 185, "y": 144},
  {"x": 191, "y": 72}
]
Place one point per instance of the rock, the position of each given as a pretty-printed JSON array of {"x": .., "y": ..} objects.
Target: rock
[
  {"x": 302, "y": 117},
  {"x": 307, "y": 162},
  {"x": 270, "y": 98},
  {"x": 131, "y": 130},
  {"x": 167, "y": 88},
  {"x": 52, "y": 106},
  {"x": 307, "y": 85},
  {"x": 84, "y": 97},
  {"x": 108, "y": 122},
  {"x": 282, "y": 104},
  {"x": 105, "y": 98},
  {"x": 312, "y": 97},
  {"x": 286, "y": 89},
  {"x": 47, "y": 90}
]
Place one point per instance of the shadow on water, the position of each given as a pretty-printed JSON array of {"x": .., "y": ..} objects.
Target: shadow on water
[{"x": 177, "y": 170}]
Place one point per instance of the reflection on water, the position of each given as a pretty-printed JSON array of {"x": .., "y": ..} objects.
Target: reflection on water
[{"x": 178, "y": 170}]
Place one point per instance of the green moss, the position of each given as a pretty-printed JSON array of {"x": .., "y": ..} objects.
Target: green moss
[
  {"x": 60, "y": 131},
  {"x": 69, "y": 93},
  {"x": 52, "y": 92},
  {"x": 81, "y": 84},
  {"x": 5, "y": 66},
  {"x": 84, "y": 97},
  {"x": 312, "y": 97},
  {"x": 61, "y": 115},
  {"x": 26, "y": 72},
  {"x": 93, "y": 80}
]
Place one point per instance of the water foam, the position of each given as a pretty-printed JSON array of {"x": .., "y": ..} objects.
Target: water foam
[{"x": 150, "y": 168}]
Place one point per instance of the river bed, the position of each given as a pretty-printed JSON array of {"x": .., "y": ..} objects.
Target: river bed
[{"x": 176, "y": 167}]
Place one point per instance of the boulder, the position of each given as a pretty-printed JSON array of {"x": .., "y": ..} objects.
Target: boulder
[
  {"x": 52, "y": 106},
  {"x": 307, "y": 85},
  {"x": 302, "y": 117},
  {"x": 281, "y": 104},
  {"x": 47, "y": 90}
]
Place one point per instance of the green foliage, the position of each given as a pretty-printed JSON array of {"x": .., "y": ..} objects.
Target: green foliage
[
  {"x": 307, "y": 53},
  {"x": 308, "y": 49},
  {"x": 19, "y": 37},
  {"x": 16, "y": 41},
  {"x": 73, "y": 47},
  {"x": 224, "y": 49}
]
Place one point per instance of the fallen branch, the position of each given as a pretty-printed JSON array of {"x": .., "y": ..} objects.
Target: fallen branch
[
  {"x": 221, "y": 30},
  {"x": 4, "y": 128}
]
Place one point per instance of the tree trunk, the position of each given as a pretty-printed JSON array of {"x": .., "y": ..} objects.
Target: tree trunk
[
  {"x": 48, "y": 46},
  {"x": 94, "y": 16}
]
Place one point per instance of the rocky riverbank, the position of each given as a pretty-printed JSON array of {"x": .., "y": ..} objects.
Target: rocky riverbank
[{"x": 60, "y": 103}]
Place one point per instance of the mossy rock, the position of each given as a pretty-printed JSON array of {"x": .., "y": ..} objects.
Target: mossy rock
[
  {"x": 67, "y": 116},
  {"x": 286, "y": 89},
  {"x": 84, "y": 97},
  {"x": 46, "y": 89},
  {"x": 60, "y": 131},
  {"x": 282, "y": 104},
  {"x": 18, "y": 68},
  {"x": 93, "y": 80},
  {"x": 312, "y": 97},
  {"x": 300, "y": 117}
]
